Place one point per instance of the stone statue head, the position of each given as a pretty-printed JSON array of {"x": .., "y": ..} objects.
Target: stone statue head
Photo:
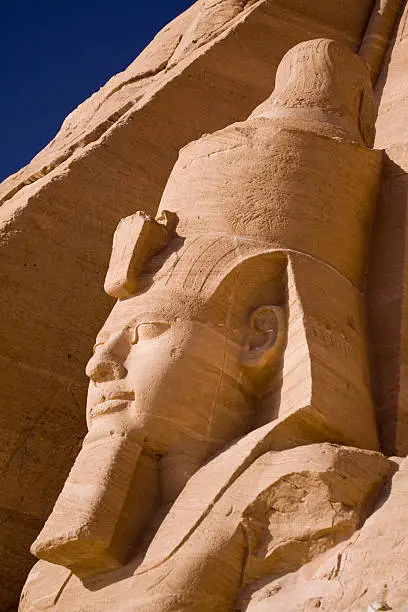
[
  {"x": 190, "y": 349},
  {"x": 178, "y": 369},
  {"x": 207, "y": 302}
]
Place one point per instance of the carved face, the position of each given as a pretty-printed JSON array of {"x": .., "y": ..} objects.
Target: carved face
[{"x": 174, "y": 380}]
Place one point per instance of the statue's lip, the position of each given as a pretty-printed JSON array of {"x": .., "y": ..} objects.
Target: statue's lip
[
  {"x": 112, "y": 402},
  {"x": 116, "y": 395}
]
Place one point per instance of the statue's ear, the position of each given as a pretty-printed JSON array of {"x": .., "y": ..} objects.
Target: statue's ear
[{"x": 263, "y": 344}]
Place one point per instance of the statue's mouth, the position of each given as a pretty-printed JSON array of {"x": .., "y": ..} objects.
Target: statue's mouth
[{"x": 112, "y": 402}]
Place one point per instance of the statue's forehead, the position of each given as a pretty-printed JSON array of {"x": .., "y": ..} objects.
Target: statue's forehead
[{"x": 145, "y": 308}]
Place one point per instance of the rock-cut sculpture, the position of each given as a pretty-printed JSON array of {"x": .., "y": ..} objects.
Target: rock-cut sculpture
[{"x": 230, "y": 392}]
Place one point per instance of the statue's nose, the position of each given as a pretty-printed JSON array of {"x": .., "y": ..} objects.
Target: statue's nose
[{"x": 105, "y": 364}]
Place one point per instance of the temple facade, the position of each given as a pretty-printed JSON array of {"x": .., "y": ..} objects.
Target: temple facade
[{"x": 224, "y": 223}]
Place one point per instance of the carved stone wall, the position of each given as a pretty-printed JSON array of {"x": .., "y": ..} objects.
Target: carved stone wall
[
  {"x": 388, "y": 281},
  {"x": 113, "y": 156}
]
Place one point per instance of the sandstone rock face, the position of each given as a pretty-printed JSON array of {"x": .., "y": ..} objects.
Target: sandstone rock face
[
  {"x": 366, "y": 568},
  {"x": 378, "y": 33},
  {"x": 112, "y": 157},
  {"x": 389, "y": 275}
]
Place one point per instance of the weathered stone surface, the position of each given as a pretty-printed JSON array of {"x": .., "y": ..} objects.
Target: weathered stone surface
[
  {"x": 368, "y": 567},
  {"x": 388, "y": 276},
  {"x": 285, "y": 509},
  {"x": 16, "y": 530},
  {"x": 377, "y": 36}
]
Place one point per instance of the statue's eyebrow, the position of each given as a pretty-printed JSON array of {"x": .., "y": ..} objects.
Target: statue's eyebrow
[
  {"x": 142, "y": 319},
  {"x": 149, "y": 317}
]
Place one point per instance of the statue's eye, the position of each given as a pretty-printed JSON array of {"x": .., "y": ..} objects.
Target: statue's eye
[{"x": 148, "y": 331}]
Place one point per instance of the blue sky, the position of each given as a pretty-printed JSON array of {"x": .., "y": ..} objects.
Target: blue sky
[{"x": 55, "y": 54}]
